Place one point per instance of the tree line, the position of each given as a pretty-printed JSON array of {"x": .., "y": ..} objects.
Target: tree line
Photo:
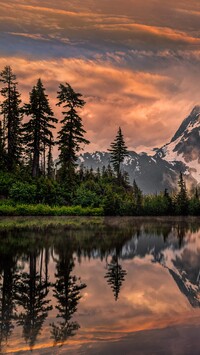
[
  {"x": 30, "y": 144},
  {"x": 27, "y": 169}
]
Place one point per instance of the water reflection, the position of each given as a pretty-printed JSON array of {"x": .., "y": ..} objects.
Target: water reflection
[
  {"x": 47, "y": 278},
  {"x": 32, "y": 298},
  {"x": 8, "y": 296},
  {"x": 66, "y": 290},
  {"x": 115, "y": 276}
]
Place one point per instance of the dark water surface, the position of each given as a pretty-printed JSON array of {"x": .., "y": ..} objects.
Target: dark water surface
[{"x": 99, "y": 286}]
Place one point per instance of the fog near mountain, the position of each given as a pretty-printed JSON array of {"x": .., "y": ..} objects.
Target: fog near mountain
[{"x": 153, "y": 173}]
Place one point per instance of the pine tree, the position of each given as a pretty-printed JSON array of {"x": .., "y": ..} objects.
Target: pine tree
[
  {"x": 71, "y": 135},
  {"x": 98, "y": 174},
  {"x": 168, "y": 201},
  {"x": 8, "y": 291},
  {"x": 37, "y": 132},
  {"x": 2, "y": 148},
  {"x": 67, "y": 292},
  {"x": 137, "y": 195},
  {"x": 118, "y": 152},
  {"x": 12, "y": 117},
  {"x": 115, "y": 276},
  {"x": 32, "y": 299},
  {"x": 197, "y": 193},
  {"x": 182, "y": 201},
  {"x": 50, "y": 164}
]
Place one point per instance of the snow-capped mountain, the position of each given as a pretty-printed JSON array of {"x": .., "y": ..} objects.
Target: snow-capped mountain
[
  {"x": 154, "y": 173},
  {"x": 185, "y": 145}
]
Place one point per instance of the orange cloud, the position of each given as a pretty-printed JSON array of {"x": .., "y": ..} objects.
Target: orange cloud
[
  {"x": 149, "y": 107},
  {"x": 87, "y": 24},
  {"x": 54, "y": 11},
  {"x": 168, "y": 33}
]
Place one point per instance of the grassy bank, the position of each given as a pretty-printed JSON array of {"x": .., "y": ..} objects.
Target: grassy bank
[
  {"x": 9, "y": 208},
  {"x": 46, "y": 210}
]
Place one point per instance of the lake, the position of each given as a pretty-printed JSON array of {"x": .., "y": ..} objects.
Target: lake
[{"x": 99, "y": 286}]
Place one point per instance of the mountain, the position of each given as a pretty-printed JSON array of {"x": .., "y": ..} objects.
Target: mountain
[
  {"x": 154, "y": 173},
  {"x": 185, "y": 145}
]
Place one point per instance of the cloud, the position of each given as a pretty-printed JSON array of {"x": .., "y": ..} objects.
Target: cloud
[
  {"x": 148, "y": 106},
  {"x": 35, "y": 36},
  {"x": 102, "y": 27},
  {"x": 137, "y": 66}
]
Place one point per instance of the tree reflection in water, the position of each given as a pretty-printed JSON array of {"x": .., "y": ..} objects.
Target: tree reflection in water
[
  {"x": 26, "y": 267},
  {"x": 8, "y": 280},
  {"x": 115, "y": 276},
  {"x": 32, "y": 294},
  {"x": 67, "y": 289}
]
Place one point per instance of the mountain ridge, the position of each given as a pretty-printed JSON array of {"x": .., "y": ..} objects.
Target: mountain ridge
[{"x": 154, "y": 173}]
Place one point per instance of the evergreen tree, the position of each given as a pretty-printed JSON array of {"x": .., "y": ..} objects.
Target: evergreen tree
[
  {"x": 33, "y": 290},
  {"x": 12, "y": 117},
  {"x": 2, "y": 148},
  {"x": 98, "y": 174},
  {"x": 115, "y": 276},
  {"x": 37, "y": 132},
  {"x": 118, "y": 152},
  {"x": 182, "y": 197},
  {"x": 197, "y": 193},
  {"x": 8, "y": 291},
  {"x": 81, "y": 173},
  {"x": 137, "y": 195},
  {"x": 50, "y": 164},
  {"x": 67, "y": 293},
  {"x": 71, "y": 135},
  {"x": 104, "y": 172},
  {"x": 110, "y": 172},
  {"x": 168, "y": 201}
]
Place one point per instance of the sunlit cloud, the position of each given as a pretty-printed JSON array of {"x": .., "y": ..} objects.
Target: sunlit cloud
[
  {"x": 137, "y": 66},
  {"x": 148, "y": 107}
]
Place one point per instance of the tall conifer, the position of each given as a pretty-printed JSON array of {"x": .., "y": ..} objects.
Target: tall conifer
[
  {"x": 118, "y": 152},
  {"x": 182, "y": 201},
  {"x": 71, "y": 135},
  {"x": 38, "y": 130},
  {"x": 2, "y": 148},
  {"x": 115, "y": 276},
  {"x": 12, "y": 117}
]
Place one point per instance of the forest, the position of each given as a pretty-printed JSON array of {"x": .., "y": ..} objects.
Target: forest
[{"x": 31, "y": 183}]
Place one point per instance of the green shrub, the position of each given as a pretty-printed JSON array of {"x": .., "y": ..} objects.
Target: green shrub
[
  {"x": 194, "y": 206},
  {"x": 6, "y": 181},
  {"x": 46, "y": 210},
  {"x": 23, "y": 192},
  {"x": 49, "y": 192},
  {"x": 155, "y": 205},
  {"x": 85, "y": 197}
]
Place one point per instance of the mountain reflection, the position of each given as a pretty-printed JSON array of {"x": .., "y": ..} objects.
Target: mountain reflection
[{"x": 39, "y": 285}]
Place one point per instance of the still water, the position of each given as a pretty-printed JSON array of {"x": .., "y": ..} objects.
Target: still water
[{"x": 99, "y": 286}]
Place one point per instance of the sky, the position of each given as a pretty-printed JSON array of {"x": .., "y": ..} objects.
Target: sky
[{"x": 136, "y": 63}]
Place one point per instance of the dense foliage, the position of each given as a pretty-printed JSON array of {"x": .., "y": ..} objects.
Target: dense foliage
[{"x": 31, "y": 183}]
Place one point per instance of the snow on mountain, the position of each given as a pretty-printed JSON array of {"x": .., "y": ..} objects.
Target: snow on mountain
[
  {"x": 159, "y": 169},
  {"x": 185, "y": 145}
]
